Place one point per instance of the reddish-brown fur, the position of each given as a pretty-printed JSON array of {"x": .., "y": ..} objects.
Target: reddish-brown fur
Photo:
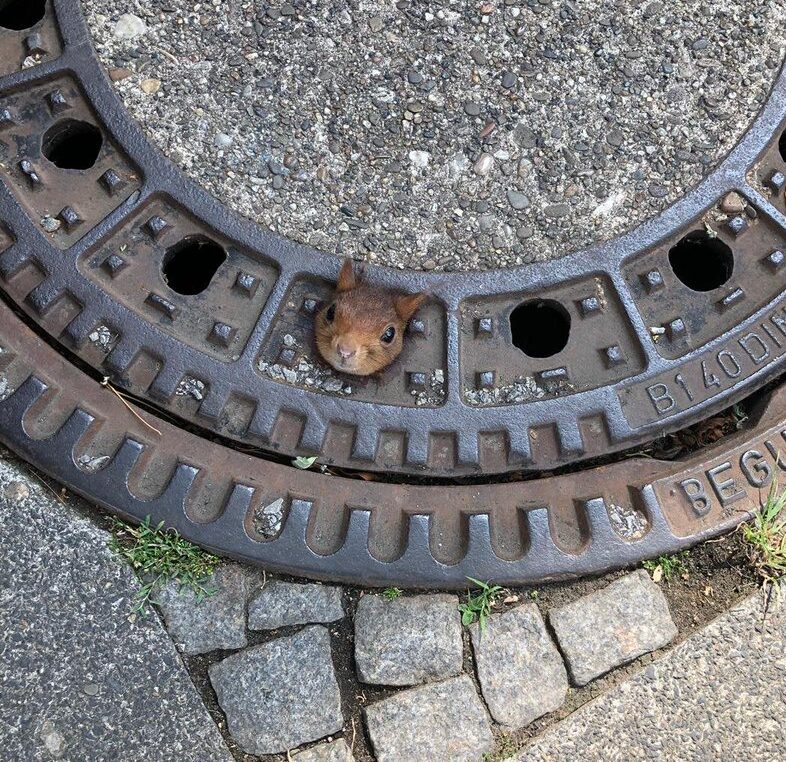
[{"x": 352, "y": 341}]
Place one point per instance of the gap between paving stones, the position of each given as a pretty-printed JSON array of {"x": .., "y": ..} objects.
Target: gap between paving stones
[
  {"x": 355, "y": 695},
  {"x": 344, "y": 662}
]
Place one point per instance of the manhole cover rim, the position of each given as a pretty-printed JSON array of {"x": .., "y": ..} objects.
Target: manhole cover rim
[{"x": 678, "y": 513}]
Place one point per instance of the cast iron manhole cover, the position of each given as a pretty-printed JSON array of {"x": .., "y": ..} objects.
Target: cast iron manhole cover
[{"x": 504, "y": 371}]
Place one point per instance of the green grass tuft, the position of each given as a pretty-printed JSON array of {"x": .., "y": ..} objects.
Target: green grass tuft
[
  {"x": 479, "y": 604},
  {"x": 765, "y": 538},
  {"x": 159, "y": 556},
  {"x": 506, "y": 748},
  {"x": 667, "y": 567},
  {"x": 391, "y": 593}
]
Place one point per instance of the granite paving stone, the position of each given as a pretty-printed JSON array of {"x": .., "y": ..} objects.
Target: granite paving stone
[
  {"x": 408, "y": 640},
  {"x": 215, "y": 621},
  {"x": 283, "y": 604},
  {"x": 81, "y": 677},
  {"x": 612, "y": 626},
  {"x": 441, "y": 722},
  {"x": 521, "y": 673},
  {"x": 281, "y": 694}
]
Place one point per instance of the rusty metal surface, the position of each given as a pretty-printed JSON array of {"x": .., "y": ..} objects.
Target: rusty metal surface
[
  {"x": 31, "y": 45},
  {"x": 65, "y": 202},
  {"x": 371, "y": 533},
  {"x": 85, "y": 255}
]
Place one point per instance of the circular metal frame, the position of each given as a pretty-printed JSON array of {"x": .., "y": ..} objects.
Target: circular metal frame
[
  {"x": 82, "y": 296},
  {"x": 365, "y": 532}
]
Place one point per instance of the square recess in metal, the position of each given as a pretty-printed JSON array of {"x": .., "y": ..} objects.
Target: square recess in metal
[{"x": 62, "y": 163}]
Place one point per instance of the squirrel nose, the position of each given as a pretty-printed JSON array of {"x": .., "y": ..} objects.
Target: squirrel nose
[{"x": 345, "y": 353}]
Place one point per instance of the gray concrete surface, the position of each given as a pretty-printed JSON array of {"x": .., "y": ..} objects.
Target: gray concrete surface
[
  {"x": 720, "y": 695},
  {"x": 80, "y": 677},
  {"x": 444, "y": 135}
]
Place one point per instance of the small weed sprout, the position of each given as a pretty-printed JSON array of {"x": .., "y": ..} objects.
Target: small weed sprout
[
  {"x": 391, "y": 593},
  {"x": 159, "y": 555},
  {"x": 765, "y": 538},
  {"x": 667, "y": 567},
  {"x": 506, "y": 748},
  {"x": 479, "y": 604}
]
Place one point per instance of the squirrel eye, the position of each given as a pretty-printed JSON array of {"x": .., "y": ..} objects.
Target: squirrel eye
[
  {"x": 389, "y": 335},
  {"x": 331, "y": 313}
]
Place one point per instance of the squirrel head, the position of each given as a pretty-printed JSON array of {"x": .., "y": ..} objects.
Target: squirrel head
[{"x": 361, "y": 329}]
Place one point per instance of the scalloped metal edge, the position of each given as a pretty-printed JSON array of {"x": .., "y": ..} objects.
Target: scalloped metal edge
[{"x": 674, "y": 520}]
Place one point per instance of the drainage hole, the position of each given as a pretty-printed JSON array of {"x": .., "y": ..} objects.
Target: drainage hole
[
  {"x": 21, "y": 14},
  {"x": 190, "y": 265},
  {"x": 540, "y": 327},
  {"x": 782, "y": 145},
  {"x": 702, "y": 263},
  {"x": 71, "y": 144}
]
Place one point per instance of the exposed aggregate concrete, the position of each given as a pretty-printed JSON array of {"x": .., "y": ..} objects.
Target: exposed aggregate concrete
[{"x": 446, "y": 135}]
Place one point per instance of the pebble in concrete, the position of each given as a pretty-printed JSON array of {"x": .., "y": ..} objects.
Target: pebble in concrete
[
  {"x": 521, "y": 673},
  {"x": 408, "y": 640},
  {"x": 626, "y": 619},
  {"x": 518, "y": 200},
  {"x": 443, "y": 722},
  {"x": 281, "y": 694},
  {"x": 336, "y": 751},
  {"x": 215, "y": 621},
  {"x": 283, "y": 604},
  {"x": 129, "y": 26}
]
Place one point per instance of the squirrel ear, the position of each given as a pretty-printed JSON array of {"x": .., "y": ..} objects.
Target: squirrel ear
[
  {"x": 346, "y": 278},
  {"x": 408, "y": 304}
]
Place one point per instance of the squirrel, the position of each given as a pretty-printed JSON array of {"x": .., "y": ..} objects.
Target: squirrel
[{"x": 361, "y": 330}]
